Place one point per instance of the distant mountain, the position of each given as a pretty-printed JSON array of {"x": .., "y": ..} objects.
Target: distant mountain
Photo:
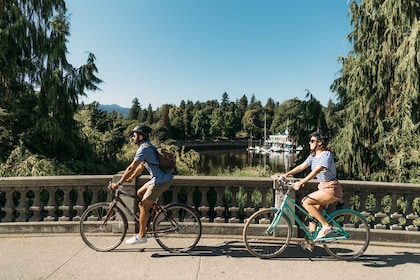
[{"x": 114, "y": 107}]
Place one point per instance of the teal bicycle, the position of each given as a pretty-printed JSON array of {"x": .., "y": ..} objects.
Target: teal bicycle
[{"x": 268, "y": 232}]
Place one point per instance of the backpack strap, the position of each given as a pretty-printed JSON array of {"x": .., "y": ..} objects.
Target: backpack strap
[{"x": 156, "y": 153}]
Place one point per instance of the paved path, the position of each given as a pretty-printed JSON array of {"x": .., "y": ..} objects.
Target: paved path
[{"x": 65, "y": 256}]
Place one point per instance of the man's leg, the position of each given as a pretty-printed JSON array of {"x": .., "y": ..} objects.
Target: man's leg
[{"x": 144, "y": 207}]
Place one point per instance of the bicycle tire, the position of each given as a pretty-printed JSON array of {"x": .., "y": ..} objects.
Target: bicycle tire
[
  {"x": 356, "y": 225},
  {"x": 258, "y": 242},
  {"x": 185, "y": 235},
  {"x": 101, "y": 235}
]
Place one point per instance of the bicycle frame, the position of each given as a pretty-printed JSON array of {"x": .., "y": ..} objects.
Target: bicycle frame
[
  {"x": 156, "y": 209},
  {"x": 286, "y": 210},
  {"x": 117, "y": 200}
]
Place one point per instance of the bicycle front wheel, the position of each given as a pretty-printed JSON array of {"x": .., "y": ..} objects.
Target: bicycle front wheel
[
  {"x": 262, "y": 241},
  {"x": 352, "y": 243},
  {"x": 177, "y": 228},
  {"x": 102, "y": 231}
]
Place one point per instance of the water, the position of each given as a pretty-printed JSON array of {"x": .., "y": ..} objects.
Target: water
[{"x": 211, "y": 162}]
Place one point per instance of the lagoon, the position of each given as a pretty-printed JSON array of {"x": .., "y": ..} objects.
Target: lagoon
[{"x": 213, "y": 161}]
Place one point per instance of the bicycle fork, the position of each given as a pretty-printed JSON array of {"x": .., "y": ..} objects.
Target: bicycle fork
[{"x": 273, "y": 225}]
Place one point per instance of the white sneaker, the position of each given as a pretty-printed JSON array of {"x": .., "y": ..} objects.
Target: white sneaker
[
  {"x": 323, "y": 232},
  {"x": 135, "y": 240}
]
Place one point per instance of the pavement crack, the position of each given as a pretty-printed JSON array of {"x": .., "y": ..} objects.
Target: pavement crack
[{"x": 64, "y": 263}]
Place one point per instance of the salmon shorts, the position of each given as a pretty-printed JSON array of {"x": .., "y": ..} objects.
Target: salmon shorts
[{"x": 332, "y": 188}]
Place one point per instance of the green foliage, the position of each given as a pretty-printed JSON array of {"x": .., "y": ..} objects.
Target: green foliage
[
  {"x": 374, "y": 125},
  {"x": 416, "y": 222},
  {"x": 370, "y": 203},
  {"x": 354, "y": 202},
  {"x": 269, "y": 198},
  {"x": 402, "y": 204},
  {"x": 256, "y": 198},
  {"x": 257, "y": 171},
  {"x": 416, "y": 205},
  {"x": 385, "y": 220},
  {"x": 386, "y": 203},
  {"x": 402, "y": 221},
  {"x": 22, "y": 163},
  {"x": 227, "y": 200},
  {"x": 377, "y": 115},
  {"x": 241, "y": 198}
]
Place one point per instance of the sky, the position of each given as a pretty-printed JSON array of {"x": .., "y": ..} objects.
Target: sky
[{"x": 166, "y": 51}]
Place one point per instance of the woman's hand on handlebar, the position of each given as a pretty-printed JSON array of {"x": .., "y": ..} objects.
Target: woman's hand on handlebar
[
  {"x": 282, "y": 177},
  {"x": 297, "y": 185}
]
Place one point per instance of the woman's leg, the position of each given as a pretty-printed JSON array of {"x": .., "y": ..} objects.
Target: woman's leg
[{"x": 314, "y": 202}]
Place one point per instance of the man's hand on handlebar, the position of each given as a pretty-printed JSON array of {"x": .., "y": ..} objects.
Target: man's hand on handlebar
[{"x": 113, "y": 186}]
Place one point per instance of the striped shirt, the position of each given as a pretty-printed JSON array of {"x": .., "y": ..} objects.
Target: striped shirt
[{"x": 325, "y": 160}]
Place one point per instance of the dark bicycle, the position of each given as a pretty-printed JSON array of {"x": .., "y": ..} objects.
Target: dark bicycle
[{"x": 176, "y": 226}]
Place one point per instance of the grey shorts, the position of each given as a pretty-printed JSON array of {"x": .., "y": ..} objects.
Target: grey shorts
[{"x": 154, "y": 191}]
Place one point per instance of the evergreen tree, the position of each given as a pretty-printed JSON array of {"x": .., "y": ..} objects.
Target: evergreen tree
[
  {"x": 378, "y": 93},
  {"x": 134, "y": 110}
]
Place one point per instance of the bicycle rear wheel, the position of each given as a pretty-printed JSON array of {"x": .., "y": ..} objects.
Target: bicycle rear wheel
[
  {"x": 100, "y": 231},
  {"x": 358, "y": 231},
  {"x": 260, "y": 243},
  {"x": 177, "y": 228}
]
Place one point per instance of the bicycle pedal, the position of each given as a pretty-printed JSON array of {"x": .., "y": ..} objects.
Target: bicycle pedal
[{"x": 307, "y": 246}]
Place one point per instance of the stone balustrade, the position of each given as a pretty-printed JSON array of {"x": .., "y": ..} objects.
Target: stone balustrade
[{"x": 390, "y": 206}]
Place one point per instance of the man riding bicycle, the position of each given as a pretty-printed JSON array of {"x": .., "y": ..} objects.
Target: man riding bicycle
[{"x": 146, "y": 157}]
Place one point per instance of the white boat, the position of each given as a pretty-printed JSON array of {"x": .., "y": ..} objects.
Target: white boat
[{"x": 281, "y": 142}]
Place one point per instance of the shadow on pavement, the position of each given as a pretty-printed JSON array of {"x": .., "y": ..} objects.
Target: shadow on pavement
[
  {"x": 236, "y": 249},
  {"x": 391, "y": 260}
]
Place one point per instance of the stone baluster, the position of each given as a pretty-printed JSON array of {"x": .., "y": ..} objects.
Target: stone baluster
[
  {"x": 395, "y": 213},
  {"x": 189, "y": 191},
  {"x": 80, "y": 205},
  {"x": 234, "y": 211},
  {"x": 9, "y": 207},
  {"x": 410, "y": 214},
  {"x": 346, "y": 196},
  {"x": 65, "y": 206},
  {"x": 204, "y": 207},
  {"x": 95, "y": 194},
  {"x": 51, "y": 205},
  {"x": 219, "y": 206},
  {"x": 37, "y": 206},
  {"x": 22, "y": 208},
  {"x": 263, "y": 202},
  {"x": 362, "y": 207},
  {"x": 234, "y": 207}
]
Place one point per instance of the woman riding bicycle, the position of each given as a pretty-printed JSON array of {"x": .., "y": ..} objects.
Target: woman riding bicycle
[
  {"x": 146, "y": 157},
  {"x": 329, "y": 190}
]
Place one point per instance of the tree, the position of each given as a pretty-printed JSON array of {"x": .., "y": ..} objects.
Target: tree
[
  {"x": 201, "y": 124},
  {"x": 379, "y": 93},
  {"x": 134, "y": 110},
  {"x": 33, "y": 56}
]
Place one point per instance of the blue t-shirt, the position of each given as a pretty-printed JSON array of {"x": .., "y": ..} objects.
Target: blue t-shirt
[
  {"x": 146, "y": 153},
  {"x": 325, "y": 160}
]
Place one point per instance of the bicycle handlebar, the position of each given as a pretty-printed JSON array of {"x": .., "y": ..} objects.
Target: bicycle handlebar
[{"x": 284, "y": 183}]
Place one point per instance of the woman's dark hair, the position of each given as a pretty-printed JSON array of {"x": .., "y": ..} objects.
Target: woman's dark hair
[{"x": 320, "y": 136}]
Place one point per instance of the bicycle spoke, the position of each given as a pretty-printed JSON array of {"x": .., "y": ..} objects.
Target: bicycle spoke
[
  {"x": 178, "y": 228},
  {"x": 102, "y": 231},
  {"x": 354, "y": 237},
  {"x": 262, "y": 238}
]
